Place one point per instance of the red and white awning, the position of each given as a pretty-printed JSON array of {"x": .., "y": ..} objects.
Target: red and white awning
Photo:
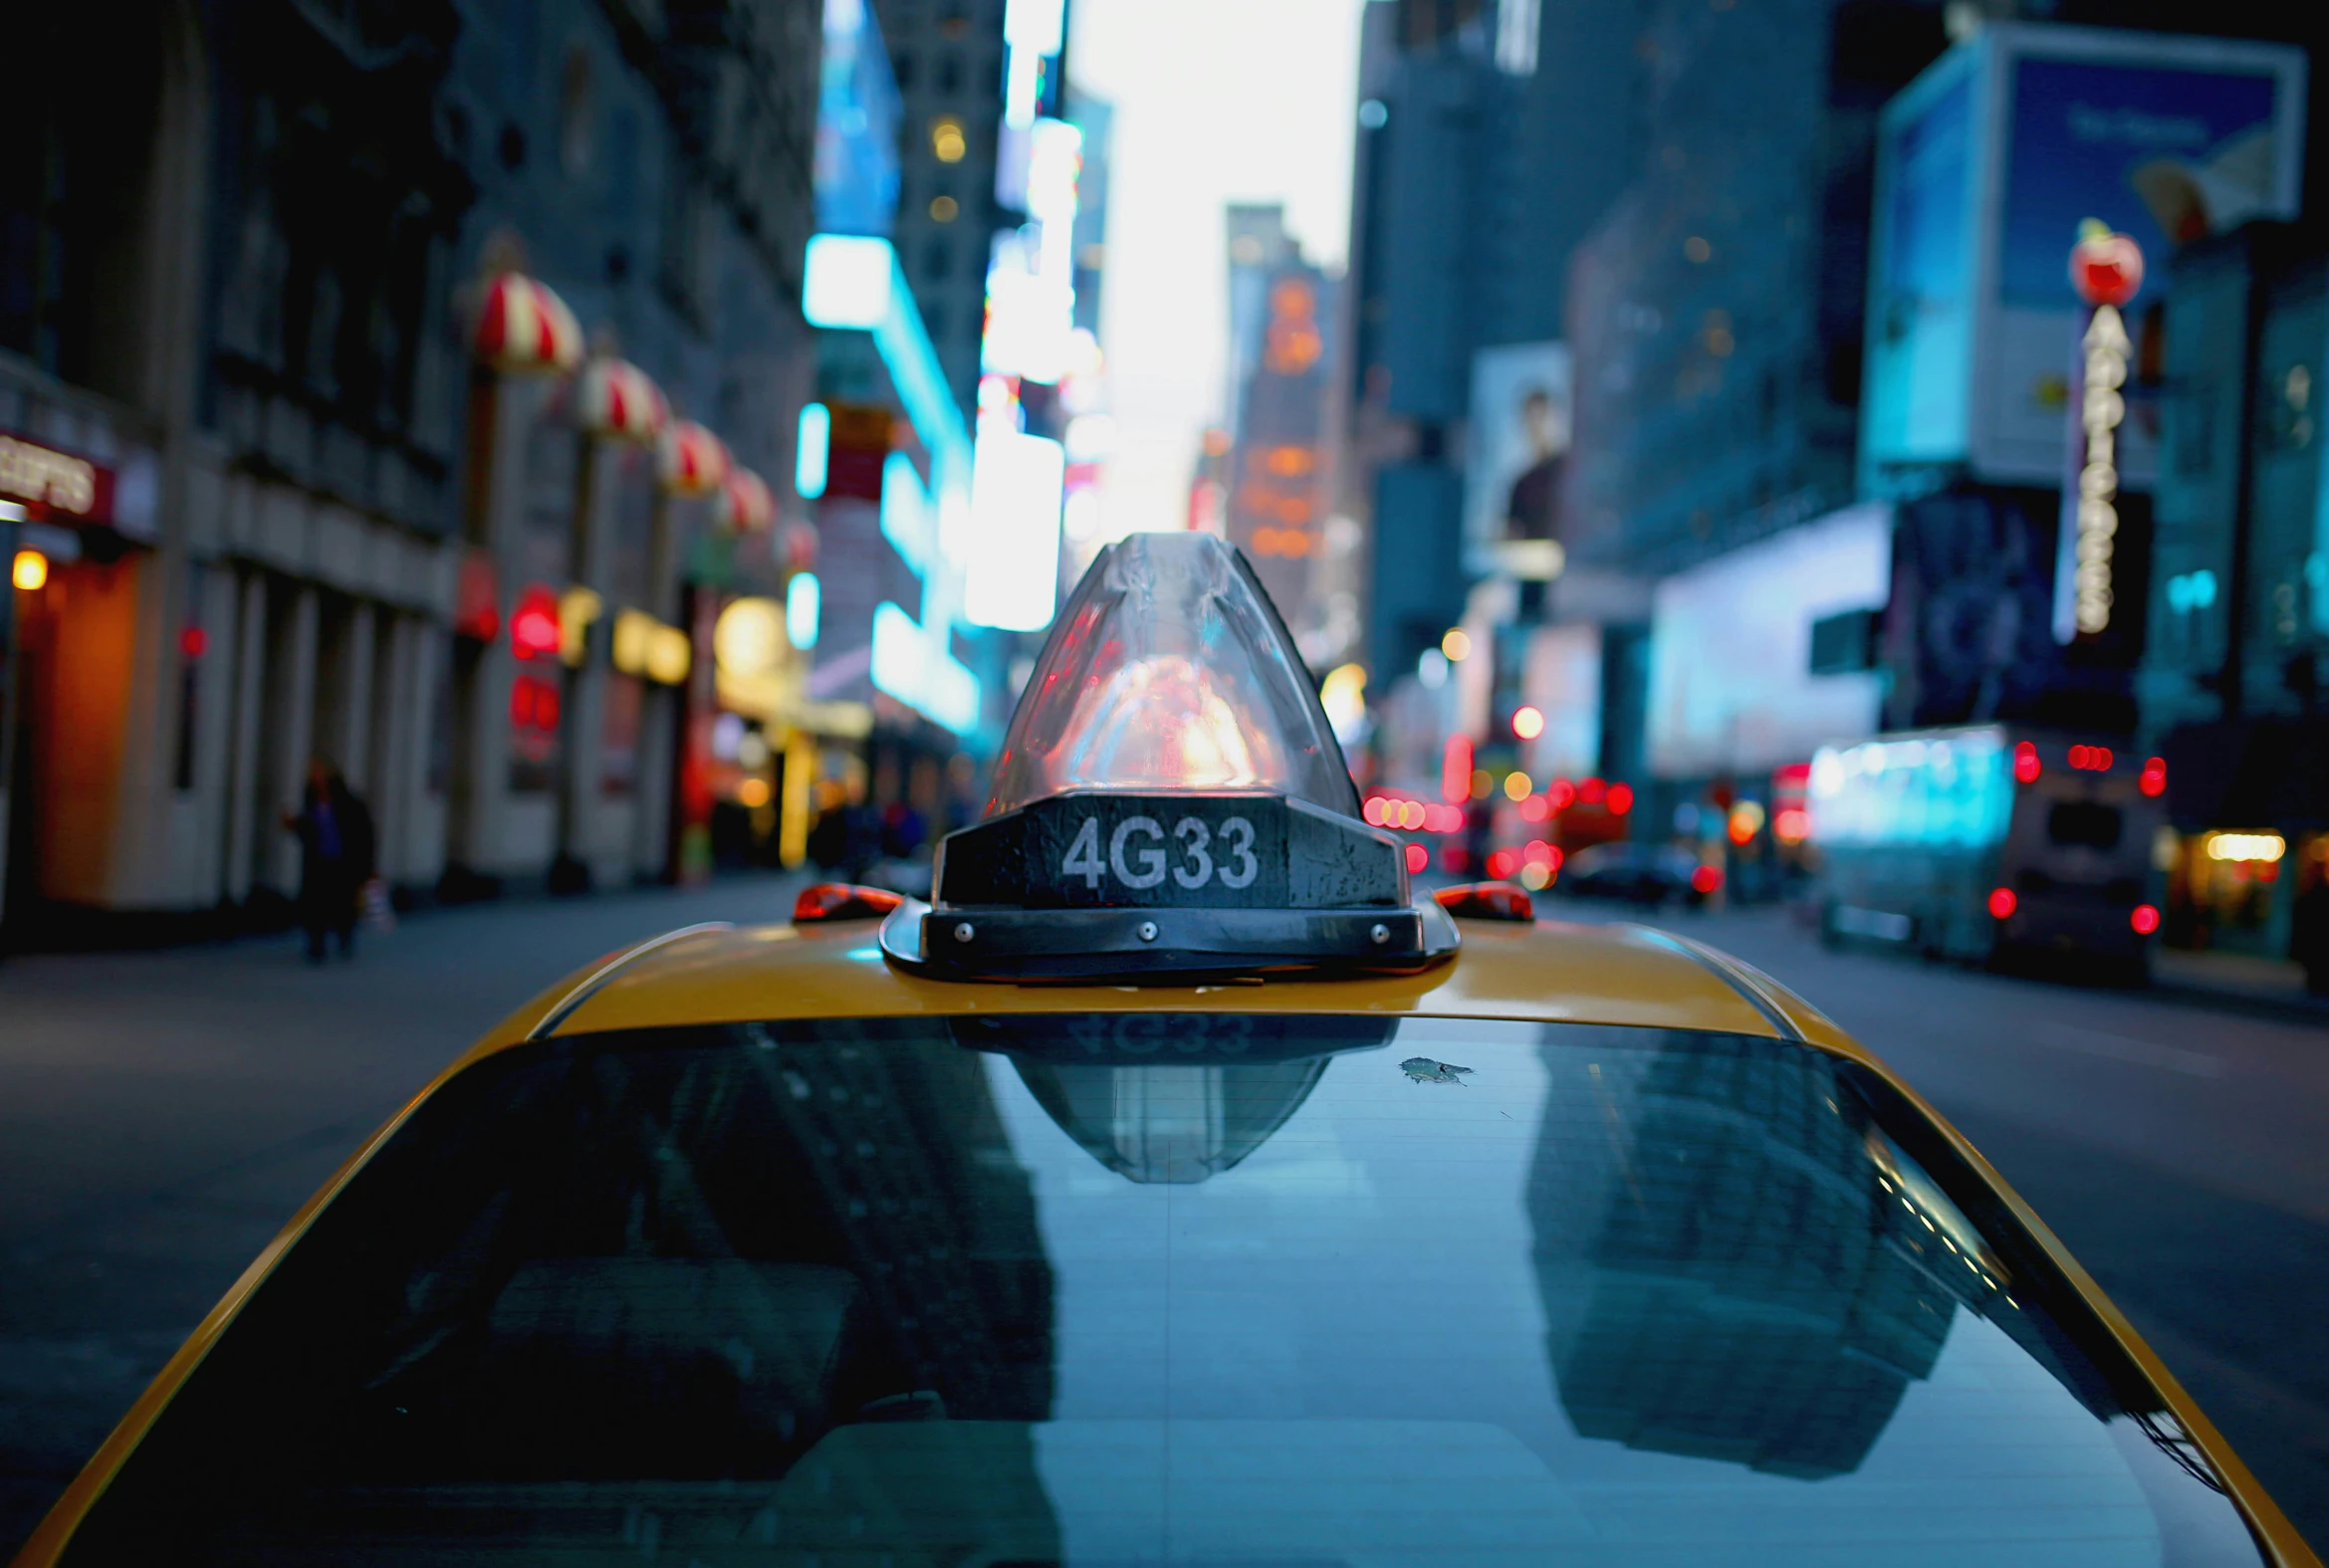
[
  {"x": 747, "y": 505},
  {"x": 695, "y": 461},
  {"x": 617, "y": 400},
  {"x": 524, "y": 328}
]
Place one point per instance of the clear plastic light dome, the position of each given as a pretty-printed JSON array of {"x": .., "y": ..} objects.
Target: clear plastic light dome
[{"x": 1169, "y": 669}]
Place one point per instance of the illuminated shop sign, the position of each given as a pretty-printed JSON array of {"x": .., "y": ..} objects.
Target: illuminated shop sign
[
  {"x": 2106, "y": 268},
  {"x": 56, "y": 479}
]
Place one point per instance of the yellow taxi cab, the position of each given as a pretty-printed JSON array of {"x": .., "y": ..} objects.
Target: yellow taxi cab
[{"x": 1176, "y": 1186}]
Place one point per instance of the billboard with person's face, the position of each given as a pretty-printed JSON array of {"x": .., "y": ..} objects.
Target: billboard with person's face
[{"x": 1519, "y": 431}]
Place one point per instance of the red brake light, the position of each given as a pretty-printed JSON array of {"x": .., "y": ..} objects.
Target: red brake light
[
  {"x": 842, "y": 901},
  {"x": 2143, "y": 918},
  {"x": 2154, "y": 778},
  {"x": 1501, "y": 863},
  {"x": 2026, "y": 770},
  {"x": 1590, "y": 791},
  {"x": 1705, "y": 879},
  {"x": 2003, "y": 903},
  {"x": 1487, "y": 901},
  {"x": 1418, "y": 858},
  {"x": 1621, "y": 798}
]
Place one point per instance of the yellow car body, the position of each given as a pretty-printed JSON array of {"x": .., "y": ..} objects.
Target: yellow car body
[{"x": 1528, "y": 971}]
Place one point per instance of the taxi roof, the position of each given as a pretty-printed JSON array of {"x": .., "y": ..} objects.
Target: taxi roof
[{"x": 1544, "y": 971}]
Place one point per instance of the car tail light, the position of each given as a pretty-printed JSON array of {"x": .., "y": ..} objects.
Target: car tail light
[
  {"x": 2153, "y": 780},
  {"x": 1487, "y": 901},
  {"x": 2143, "y": 918},
  {"x": 2002, "y": 902},
  {"x": 2026, "y": 770},
  {"x": 1705, "y": 879},
  {"x": 842, "y": 901},
  {"x": 1501, "y": 863}
]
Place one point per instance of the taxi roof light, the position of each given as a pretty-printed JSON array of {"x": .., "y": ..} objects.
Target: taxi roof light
[
  {"x": 1170, "y": 669},
  {"x": 1171, "y": 801}
]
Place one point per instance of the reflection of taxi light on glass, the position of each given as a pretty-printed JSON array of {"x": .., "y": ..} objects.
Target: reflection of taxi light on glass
[
  {"x": 1343, "y": 694},
  {"x": 2091, "y": 759},
  {"x": 1620, "y": 798},
  {"x": 1456, "y": 769},
  {"x": 1418, "y": 858},
  {"x": 2143, "y": 918},
  {"x": 30, "y": 570},
  {"x": 1456, "y": 644},
  {"x": 1528, "y": 723},
  {"x": 1518, "y": 787},
  {"x": 2154, "y": 778},
  {"x": 2025, "y": 763},
  {"x": 2266, "y": 847},
  {"x": 842, "y": 901},
  {"x": 1501, "y": 863},
  {"x": 1792, "y": 825},
  {"x": 2002, "y": 902},
  {"x": 812, "y": 450},
  {"x": 1705, "y": 879}
]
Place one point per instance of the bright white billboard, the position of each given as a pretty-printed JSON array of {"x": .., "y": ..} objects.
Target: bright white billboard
[{"x": 1730, "y": 688}]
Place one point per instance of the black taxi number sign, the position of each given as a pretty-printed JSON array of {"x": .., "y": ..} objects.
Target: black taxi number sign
[{"x": 1207, "y": 851}]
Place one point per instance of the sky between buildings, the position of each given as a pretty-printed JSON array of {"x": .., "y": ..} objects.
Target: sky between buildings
[{"x": 1217, "y": 100}]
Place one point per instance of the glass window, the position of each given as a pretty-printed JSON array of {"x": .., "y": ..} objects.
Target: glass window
[
  {"x": 1165, "y": 1287},
  {"x": 2086, "y": 824}
]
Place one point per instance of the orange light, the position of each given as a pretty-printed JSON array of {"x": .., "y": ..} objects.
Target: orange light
[
  {"x": 752, "y": 793},
  {"x": 1620, "y": 798},
  {"x": 1528, "y": 723},
  {"x": 1418, "y": 857},
  {"x": 1792, "y": 825},
  {"x": 2143, "y": 918},
  {"x": 30, "y": 570},
  {"x": 2025, "y": 764},
  {"x": 2003, "y": 903},
  {"x": 2154, "y": 778}
]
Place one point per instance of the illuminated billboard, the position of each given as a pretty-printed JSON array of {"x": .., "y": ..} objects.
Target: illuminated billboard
[
  {"x": 1730, "y": 683},
  {"x": 1986, "y": 164}
]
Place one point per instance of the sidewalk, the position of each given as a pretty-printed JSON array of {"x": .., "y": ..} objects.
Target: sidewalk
[{"x": 2242, "y": 976}]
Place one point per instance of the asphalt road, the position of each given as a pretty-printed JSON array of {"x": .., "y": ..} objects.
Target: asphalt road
[{"x": 161, "y": 1114}]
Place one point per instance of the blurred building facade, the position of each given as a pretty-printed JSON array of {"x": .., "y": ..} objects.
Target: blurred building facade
[{"x": 364, "y": 330}]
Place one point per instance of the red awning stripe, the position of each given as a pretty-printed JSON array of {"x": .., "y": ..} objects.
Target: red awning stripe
[
  {"x": 618, "y": 399},
  {"x": 524, "y": 326},
  {"x": 695, "y": 461},
  {"x": 747, "y": 505}
]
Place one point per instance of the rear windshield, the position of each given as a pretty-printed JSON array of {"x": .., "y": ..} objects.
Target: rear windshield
[
  {"x": 2087, "y": 823},
  {"x": 1164, "y": 1288}
]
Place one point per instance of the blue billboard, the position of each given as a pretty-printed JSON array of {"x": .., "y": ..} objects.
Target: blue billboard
[{"x": 1986, "y": 166}]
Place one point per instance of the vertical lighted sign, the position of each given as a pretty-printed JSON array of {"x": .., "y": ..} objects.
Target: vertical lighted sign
[{"x": 2107, "y": 270}]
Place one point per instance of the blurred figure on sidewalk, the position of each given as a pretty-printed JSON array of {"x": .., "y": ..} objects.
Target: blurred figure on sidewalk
[{"x": 336, "y": 847}]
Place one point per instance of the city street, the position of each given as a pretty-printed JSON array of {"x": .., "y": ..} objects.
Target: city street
[{"x": 162, "y": 1113}]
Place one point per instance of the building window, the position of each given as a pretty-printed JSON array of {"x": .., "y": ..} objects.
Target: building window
[
  {"x": 950, "y": 74},
  {"x": 901, "y": 69},
  {"x": 937, "y": 259},
  {"x": 577, "y": 114}
]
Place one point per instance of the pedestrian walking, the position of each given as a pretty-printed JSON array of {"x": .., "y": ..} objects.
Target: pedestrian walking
[{"x": 336, "y": 854}]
